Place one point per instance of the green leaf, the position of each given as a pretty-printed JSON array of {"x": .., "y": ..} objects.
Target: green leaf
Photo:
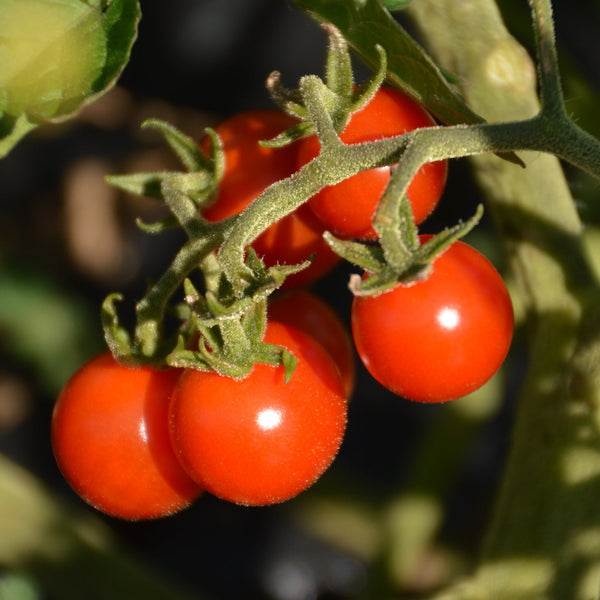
[
  {"x": 395, "y": 4},
  {"x": 416, "y": 264},
  {"x": 376, "y": 283},
  {"x": 398, "y": 234},
  {"x": 219, "y": 309},
  {"x": 254, "y": 322},
  {"x": 289, "y": 363},
  {"x": 367, "y": 90},
  {"x": 180, "y": 358},
  {"x": 288, "y": 136},
  {"x": 169, "y": 222},
  {"x": 340, "y": 78},
  {"x": 288, "y": 99},
  {"x": 49, "y": 329},
  {"x": 120, "y": 22},
  {"x": 196, "y": 185},
  {"x": 365, "y": 23}
]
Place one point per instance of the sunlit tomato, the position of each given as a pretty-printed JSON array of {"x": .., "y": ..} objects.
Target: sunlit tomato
[
  {"x": 441, "y": 338},
  {"x": 260, "y": 440},
  {"x": 111, "y": 440},
  {"x": 249, "y": 170},
  {"x": 347, "y": 208},
  {"x": 313, "y": 315}
]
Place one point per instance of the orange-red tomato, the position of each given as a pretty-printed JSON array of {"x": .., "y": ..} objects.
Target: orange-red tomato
[
  {"x": 313, "y": 315},
  {"x": 249, "y": 170},
  {"x": 347, "y": 209},
  {"x": 440, "y": 338},
  {"x": 259, "y": 440},
  {"x": 111, "y": 440}
]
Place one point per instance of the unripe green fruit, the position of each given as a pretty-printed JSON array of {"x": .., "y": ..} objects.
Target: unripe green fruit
[{"x": 51, "y": 52}]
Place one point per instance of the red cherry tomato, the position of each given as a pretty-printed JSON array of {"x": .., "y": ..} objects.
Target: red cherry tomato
[
  {"x": 347, "y": 209},
  {"x": 111, "y": 440},
  {"x": 314, "y": 316},
  {"x": 249, "y": 170},
  {"x": 260, "y": 440},
  {"x": 441, "y": 338}
]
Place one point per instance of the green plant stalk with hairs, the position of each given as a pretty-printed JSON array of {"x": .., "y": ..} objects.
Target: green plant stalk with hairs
[
  {"x": 545, "y": 533},
  {"x": 544, "y": 540}
]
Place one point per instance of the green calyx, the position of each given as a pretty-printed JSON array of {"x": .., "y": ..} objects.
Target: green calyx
[
  {"x": 216, "y": 332},
  {"x": 199, "y": 182},
  {"x": 399, "y": 257},
  {"x": 227, "y": 333},
  {"x": 217, "y": 329},
  {"x": 338, "y": 92}
]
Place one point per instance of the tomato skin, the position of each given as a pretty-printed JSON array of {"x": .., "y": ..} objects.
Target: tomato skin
[
  {"x": 347, "y": 208},
  {"x": 440, "y": 338},
  {"x": 305, "y": 310},
  {"x": 111, "y": 440},
  {"x": 258, "y": 440},
  {"x": 249, "y": 170}
]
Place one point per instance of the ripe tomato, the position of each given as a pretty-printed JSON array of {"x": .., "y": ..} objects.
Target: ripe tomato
[
  {"x": 347, "y": 209},
  {"x": 249, "y": 170},
  {"x": 260, "y": 440},
  {"x": 305, "y": 310},
  {"x": 441, "y": 338},
  {"x": 111, "y": 440}
]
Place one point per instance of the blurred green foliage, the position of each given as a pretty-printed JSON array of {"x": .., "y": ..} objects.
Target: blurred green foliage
[{"x": 47, "y": 328}]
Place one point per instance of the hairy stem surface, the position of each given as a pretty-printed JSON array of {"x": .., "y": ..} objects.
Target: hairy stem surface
[{"x": 544, "y": 539}]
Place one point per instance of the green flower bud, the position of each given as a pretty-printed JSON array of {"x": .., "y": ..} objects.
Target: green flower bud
[{"x": 51, "y": 53}]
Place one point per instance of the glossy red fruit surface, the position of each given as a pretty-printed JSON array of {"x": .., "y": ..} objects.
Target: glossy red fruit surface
[
  {"x": 111, "y": 440},
  {"x": 308, "y": 312},
  {"x": 260, "y": 440},
  {"x": 441, "y": 338}
]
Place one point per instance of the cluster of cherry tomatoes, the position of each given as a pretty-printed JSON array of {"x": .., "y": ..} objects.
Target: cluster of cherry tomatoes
[
  {"x": 430, "y": 341},
  {"x": 141, "y": 443},
  {"x": 137, "y": 442}
]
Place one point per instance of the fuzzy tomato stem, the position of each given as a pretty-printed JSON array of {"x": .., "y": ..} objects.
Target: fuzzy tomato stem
[{"x": 548, "y": 497}]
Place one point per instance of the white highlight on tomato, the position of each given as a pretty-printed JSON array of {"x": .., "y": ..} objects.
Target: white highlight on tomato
[
  {"x": 268, "y": 419},
  {"x": 143, "y": 431},
  {"x": 448, "y": 318}
]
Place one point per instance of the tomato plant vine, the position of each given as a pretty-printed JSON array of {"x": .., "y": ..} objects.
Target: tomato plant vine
[{"x": 493, "y": 106}]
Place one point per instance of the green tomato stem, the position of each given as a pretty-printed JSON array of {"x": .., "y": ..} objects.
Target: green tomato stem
[
  {"x": 151, "y": 308},
  {"x": 540, "y": 539},
  {"x": 337, "y": 161}
]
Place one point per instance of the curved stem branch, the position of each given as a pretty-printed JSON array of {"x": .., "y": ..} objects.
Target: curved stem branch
[
  {"x": 151, "y": 308},
  {"x": 540, "y": 133},
  {"x": 285, "y": 196},
  {"x": 549, "y": 76}
]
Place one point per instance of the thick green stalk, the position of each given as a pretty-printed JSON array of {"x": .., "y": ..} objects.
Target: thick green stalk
[{"x": 544, "y": 540}]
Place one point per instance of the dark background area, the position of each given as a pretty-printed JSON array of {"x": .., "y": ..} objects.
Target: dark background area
[{"x": 194, "y": 63}]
